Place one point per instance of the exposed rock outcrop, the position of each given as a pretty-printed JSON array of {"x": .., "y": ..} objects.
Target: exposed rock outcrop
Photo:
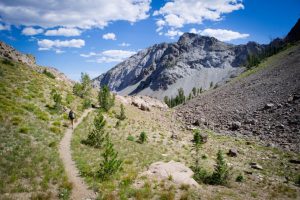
[{"x": 193, "y": 61}]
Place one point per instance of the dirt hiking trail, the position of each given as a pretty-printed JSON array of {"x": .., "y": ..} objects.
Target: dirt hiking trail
[{"x": 80, "y": 190}]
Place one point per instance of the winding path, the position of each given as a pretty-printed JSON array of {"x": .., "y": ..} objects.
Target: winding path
[{"x": 80, "y": 190}]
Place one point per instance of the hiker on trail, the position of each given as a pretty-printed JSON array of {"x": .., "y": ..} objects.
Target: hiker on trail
[{"x": 72, "y": 117}]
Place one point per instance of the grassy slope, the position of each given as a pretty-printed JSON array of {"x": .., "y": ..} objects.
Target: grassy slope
[
  {"x": 30, "y": 132},
  {"x": 275, "y": 181},
  {"x": 159, "y": 126}
]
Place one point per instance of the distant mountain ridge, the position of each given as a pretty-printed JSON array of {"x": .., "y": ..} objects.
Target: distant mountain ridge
[{"x": 193, "y": 61}]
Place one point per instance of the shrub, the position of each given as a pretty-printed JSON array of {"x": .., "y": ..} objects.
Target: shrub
[
  {"x": 221, "y": 173},
  {"x": 118, "y": 123},
  {"x": 97, "y": 135},
  {"x": 239, "y": 178},
  {"x": 297, "y": 181},
  {"x": 143, "y": 137},
  {"x": 49, "y": 74},
  {"x": 7, "y": 62},
  {"x": 198, "y": 139},
  {"x": 110, "y": 163},
  {"x": 86, "y": 103},
  {"x": 57, "y": 100},
  {"x": 24, "y": 129},
  {"x": 130, "y": 138},
  {"x": 69, "y": 98},
  {"x": 200, "y": 174}
]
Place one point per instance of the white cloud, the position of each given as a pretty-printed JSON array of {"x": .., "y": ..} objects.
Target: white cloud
[
  {"x": 221, "y": 34},
  {"x": 72, "y": 13},
  {"x": 63, "y": 32},
  {"x": 109, "y": 36},
  {"x": 4, "y": 27},
  {"x": 124, "y": 44},
  {"x": 108, "y": 56},
  {"x": 88, "y": 55},
  {"x": 177, "y": 13},
  {"x": 46, "y": 44},
  {"x": 58, "y": 51},
  {"x": 32, "y": 31},
  {"x": 173, "y": 33}
]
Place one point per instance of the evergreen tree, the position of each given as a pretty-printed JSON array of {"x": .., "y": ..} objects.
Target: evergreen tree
[
  {"x": 200, "y": 175},
  {"x": 194, "y": 91},
  {"x": 143, "y": 137},
  {"x": 110, "y": 163},
  {"x": 106, "y": 99},
  {"x": 97, "y": 135},
  {"x": 122, "y": 115},
  {"x": 221, "y": 172},
  {"x": 83, "y": 89},
  {"x": 211, "y": 84}
]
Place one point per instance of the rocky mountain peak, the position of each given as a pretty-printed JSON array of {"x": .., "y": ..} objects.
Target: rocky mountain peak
[{"x": 192, "y": 61}]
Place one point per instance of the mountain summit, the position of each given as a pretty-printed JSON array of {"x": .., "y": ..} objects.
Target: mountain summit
[{"x": 192, "y": 61}]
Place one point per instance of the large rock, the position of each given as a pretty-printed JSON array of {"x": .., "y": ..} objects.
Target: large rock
[{"x": 179, "y": 173}]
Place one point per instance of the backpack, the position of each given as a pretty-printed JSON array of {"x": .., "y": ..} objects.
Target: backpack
[{"x": 71, "y": 115}]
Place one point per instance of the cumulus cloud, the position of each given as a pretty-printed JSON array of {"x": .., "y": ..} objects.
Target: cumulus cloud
[
  {"x": 173, "y": 33},
  {"x": 221, "y": 34},
  {"x": 72, "y": 13},
  {"x": 109, "y": 36},
  {"x": 4, "y": 27},
  {"x": 46, "y": 44},
  {"x": 63, "y": 32},
  {"x": 108, "y": 56},
  {"x": 124, "y": 44},
  {"x": 177, "y": 13},
  {"x": 32, "y": 31}
]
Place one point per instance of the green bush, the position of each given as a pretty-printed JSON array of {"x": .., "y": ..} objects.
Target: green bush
[
  {"x": 97, "y": 135},
  {"x": 24, "y": 129},
  {"x": 239, "y": 178},
  {"x": 86, "y": 103},
  {"x": 49, "y": 74},
  {"x": 143, "y": 137},
  {"x": 200, "y": 174},
  {"x": 297, "y": 181},
  {"x": 130, "y": 138},
  {"x": 7, "y": 62}
]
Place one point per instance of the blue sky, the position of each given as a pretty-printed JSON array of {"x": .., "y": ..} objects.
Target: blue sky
[{"x": 76, "y": 37}]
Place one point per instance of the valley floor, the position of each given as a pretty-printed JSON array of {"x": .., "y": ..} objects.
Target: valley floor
[{"x": 275, "y": 181}]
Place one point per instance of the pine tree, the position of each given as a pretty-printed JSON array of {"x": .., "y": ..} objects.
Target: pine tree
[
  {"x": 194, "y": 91},
  {"x": 110, "y": 163},
  {"x": 83, "y": 89},
  {"x": 122, "y": 115},
  {"x": 97, "y": 135},
  {"x": 106, "y": 100},
  {"x": 200, "y": 175},
  {"x": 221, "y": 172}
]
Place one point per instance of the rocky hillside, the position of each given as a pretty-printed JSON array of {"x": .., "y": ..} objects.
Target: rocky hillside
[
  {"x": 263, "y": 102},
  {"x": 9, "y": 53},
  {"x": 193, "y": 61}
]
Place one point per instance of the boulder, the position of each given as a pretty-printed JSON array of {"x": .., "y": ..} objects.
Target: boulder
[
  {"x": 164, "y": 170},
  {"x": 256, "y": 166},
  {"x": 235, "y": 125},
  {"x": 232, "y": 153},
  {"x": 268, "y": 106}
]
